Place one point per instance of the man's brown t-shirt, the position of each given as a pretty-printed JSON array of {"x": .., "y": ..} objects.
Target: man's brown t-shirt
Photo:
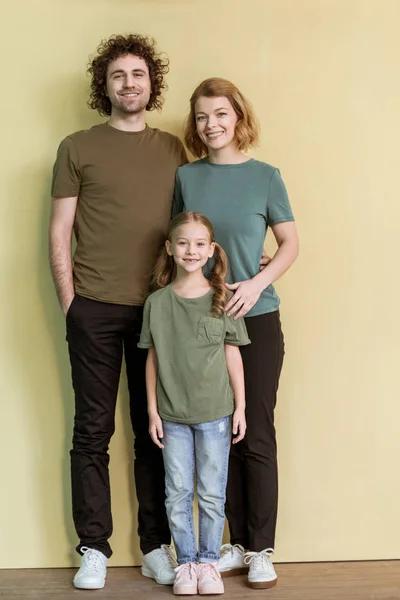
[{"x": 125, "y": 183}]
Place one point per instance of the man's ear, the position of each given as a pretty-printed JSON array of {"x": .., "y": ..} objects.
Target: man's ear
[{"x": 168, "y": 247}]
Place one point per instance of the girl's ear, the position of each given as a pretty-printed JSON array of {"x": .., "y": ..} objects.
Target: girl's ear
[
  {"x": 212, "y": 250},
  {"x": 168, "y": 247}
]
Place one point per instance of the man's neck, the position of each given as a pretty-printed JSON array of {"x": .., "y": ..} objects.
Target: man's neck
[{"x": 124, "y": 122}]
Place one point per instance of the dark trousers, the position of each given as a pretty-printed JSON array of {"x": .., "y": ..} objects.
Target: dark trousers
[
  {"x": 98, "y": 335},
  {"x": 252, "y": 492}
]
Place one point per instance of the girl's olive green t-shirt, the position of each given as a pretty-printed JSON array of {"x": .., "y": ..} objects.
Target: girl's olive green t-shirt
[{"x": 193, "y": 383}]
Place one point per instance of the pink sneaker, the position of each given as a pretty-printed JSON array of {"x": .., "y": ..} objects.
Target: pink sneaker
[
  {"x": 210, "y": 581},
  {"x": 186, "y": 580}
]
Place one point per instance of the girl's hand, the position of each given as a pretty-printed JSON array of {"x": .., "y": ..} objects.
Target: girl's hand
[
  {"x": 246, "y": 295},
  {"x": 156, "y": 429},
  {"x": 238, "y": 425}
]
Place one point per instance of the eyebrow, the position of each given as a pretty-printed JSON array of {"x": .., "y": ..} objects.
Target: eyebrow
[
  {"x": 200, "y": 112},
  {"x": 197, "y": 239}
]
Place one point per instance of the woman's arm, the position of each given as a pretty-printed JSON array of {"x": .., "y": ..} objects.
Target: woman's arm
[
  {"x": 235, "y": 369},
  {"x": 288, "y": 250},
  {"x": 248, "y": 292},
  {"x": 155, "y": 423}
]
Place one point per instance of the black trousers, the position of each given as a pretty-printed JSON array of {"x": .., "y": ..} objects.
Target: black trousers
[
  {"x": 98, "y": 335},
  {"x": 252, "y": 492}
]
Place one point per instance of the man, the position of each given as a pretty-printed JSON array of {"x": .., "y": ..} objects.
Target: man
[{"x": 113, "y": 185}]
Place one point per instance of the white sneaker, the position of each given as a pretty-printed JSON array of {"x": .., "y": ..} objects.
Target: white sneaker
[
  {"x": 261, "y": 570},
  {"x": 92, "y": 574},
  {"x": 232, "y": 560},
  {"x": 160, "y": 564}
]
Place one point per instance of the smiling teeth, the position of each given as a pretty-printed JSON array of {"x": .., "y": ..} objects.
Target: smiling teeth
[{"x": 214, "y": 135}]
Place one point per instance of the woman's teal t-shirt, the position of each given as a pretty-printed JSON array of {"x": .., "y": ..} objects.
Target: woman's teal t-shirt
[{"x": 241, "y": 201}]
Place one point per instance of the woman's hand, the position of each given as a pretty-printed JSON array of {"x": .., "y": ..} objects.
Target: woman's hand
[
  {"x": 246, "y": 295},
  {"x": 156, "y": 429},
  {"x": 238, "y": 425}
]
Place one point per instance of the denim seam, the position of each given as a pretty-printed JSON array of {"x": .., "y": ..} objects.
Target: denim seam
[{"x": 222, "y": 493}]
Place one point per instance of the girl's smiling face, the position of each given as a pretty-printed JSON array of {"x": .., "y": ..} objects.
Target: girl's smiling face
[{"x": 190, "y": 246}]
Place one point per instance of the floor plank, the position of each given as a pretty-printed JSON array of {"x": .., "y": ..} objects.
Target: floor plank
[{"x": 375, "y": 580}]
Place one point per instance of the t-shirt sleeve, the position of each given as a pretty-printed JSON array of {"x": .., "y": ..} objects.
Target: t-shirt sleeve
[
  {"x": 278, "y": 205},
  {"x": 236, "y": 332},
  {"x": 146, "y": 339},
  {"x": 177, "y": 203},
  {"x": 66, "y": 181}
]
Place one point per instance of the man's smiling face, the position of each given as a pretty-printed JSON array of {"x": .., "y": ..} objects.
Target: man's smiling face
[{"x": 128, "y": 84}]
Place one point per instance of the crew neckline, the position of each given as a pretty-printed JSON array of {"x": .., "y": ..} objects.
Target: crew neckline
[
  {"x": 190, "y": 299},
  {"x": 228, "y": 165},
  {"x": 114, "y": 129}
]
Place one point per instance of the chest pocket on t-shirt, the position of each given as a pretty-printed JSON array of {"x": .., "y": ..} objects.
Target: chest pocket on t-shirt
[{"x": 210, "y": 330}]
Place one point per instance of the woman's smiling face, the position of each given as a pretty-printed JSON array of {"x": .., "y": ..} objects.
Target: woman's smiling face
[{"x": 216, "y": 122}]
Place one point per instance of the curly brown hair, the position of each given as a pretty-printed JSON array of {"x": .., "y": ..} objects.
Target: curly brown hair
[
  {"x": 247, "y": 128},
  {"x": 164, "y": 271},
  {"x": 113, "y": 48}
]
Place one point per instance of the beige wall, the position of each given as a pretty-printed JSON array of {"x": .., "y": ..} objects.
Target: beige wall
[{"x": 323, "y": 76}]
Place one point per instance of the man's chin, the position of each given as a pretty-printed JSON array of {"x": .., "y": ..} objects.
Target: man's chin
[{"x": 131, "y": 110}]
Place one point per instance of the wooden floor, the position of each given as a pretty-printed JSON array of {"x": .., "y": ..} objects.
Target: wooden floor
[{"x": 377, "y": 580}]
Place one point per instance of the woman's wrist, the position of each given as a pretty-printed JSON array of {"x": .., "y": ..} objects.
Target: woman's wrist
[{"x": 260, "y": 281}]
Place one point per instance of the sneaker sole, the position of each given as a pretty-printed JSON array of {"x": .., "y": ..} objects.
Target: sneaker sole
[
  {"x": 88, "y": 586},
  {"x": 210, "y": 592},
  {"x": 150, "y": 575},
  {"x": 263, "y": 585},
  {"x": 187, "y": 593},
  {"x": 233, "y": 572}
]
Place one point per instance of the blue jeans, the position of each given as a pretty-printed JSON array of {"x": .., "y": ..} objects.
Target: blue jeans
[{"x": 206, "y": 446}]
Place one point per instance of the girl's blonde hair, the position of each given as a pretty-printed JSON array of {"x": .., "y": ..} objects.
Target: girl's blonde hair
[
  {"x": 165, "y": 270},
  {"x": 247, "y": 129}
]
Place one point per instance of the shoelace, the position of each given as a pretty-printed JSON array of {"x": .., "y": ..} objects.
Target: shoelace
[
  {"x": 166, "y": 557},
  {"x": 208, "y": 569},
  {"x": 259, "y": 558},
  {"x": 186, "y": 570},
  {"x": 92, "y": 559},
  {"x": 230, "y": 549}
]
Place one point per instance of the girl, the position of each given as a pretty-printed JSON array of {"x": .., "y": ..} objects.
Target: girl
[
  {"x": 194, "y": 377},
  {"x": 242, "y": 197}
]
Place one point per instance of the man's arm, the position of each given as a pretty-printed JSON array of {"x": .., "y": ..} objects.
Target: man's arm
[
  {"x": 155, "y": 423},
  {"x": 235, "y": 369},
  {"x": 60, "y": 238}
]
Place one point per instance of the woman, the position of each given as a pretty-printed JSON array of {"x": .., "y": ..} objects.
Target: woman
[{"x": 242, "y": 197}]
